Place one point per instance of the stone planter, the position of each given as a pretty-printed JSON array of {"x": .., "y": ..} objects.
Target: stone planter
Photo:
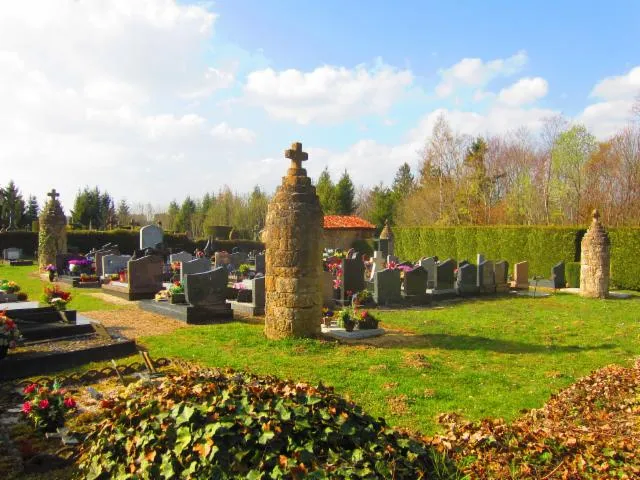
[
  {"x": 349, "y": 325},
  {"x": 175, "y": 298}
]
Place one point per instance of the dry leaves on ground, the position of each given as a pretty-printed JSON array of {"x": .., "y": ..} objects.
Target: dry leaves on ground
[{"x": 134, "y": 322}]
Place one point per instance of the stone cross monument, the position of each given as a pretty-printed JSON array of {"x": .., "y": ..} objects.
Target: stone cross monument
[
  {"x": 595, "y": 260},
  {"x": 293, "y": 237},
  {"x": 387, "y": 234},
  {"x": 52, "y": 235}
]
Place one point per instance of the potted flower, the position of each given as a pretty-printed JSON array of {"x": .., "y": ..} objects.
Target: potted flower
[
  {"x": 51, "y": 270},
  {"x": 46, "y": 407},
  {"x": 346, "y": 321},
  {"x": 366, "y": 321},
  {"x": 9, "y": 334},
  {"x": 9, "y": 287},
  {"x": 80, "y": 265},
  {"x": 243, "y": 271},
  {"x": 176, "y": 293},
  {"x": 56, "y": 297},
  {"x": 327, "y": 316},
  {"x": 362, "y": 298}
]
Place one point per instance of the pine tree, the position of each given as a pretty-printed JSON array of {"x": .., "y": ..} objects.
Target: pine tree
[
  {"x": 33, "y": 210},
  {"x": 123, "y": 213},
  {"x": 345, "y": 195},
  {"x": 172, "y": 214},
  {"x": 404, "y": 182},
  {"x": 12, "y": 206},
  {"x": 326, "y": 192}
]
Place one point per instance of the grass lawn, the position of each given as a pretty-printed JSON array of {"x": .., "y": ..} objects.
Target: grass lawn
[
  {"x": 31, "y": 283},
  {"x": 480, "y": 358}
]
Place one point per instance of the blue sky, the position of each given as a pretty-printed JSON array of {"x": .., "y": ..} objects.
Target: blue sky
[{"x": 154, "y": 100}]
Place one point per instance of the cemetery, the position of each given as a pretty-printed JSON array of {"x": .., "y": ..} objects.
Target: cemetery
[{"x": 429, "y": 335}]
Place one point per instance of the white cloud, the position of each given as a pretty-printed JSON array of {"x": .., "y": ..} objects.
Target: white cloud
[
  {"x": 225, "y": 132},
  {"x": 477, "y": 73},
  {"x": 214, "y": 79},
  {"x": 524, "y": 91},
  {"x": 327, "y": 94},
  {"x": 617, "y": 95}
]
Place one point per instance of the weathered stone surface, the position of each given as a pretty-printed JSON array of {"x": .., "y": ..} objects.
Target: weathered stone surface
[
  {"x": 521, "y": 276},
  {"x": 595, "y": 261},
  {"x": 52, "y": 234},
  {"x": 293, "y": 258}
]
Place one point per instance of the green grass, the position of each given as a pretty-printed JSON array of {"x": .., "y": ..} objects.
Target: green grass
[
  {"x": 31, "y": 283},
  {"x": 480, "y": 358}
]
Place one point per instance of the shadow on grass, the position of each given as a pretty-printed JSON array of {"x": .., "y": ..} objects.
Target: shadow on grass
[{"x": 469, "y": 342}]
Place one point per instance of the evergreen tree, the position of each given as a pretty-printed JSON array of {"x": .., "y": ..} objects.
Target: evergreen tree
[
  {"x": 185, "y": 217},
  {"x": 326, "y": 192},
  {"x": 12, "y": 206},
  {"x": 33, "y": 210},
  {"x": 123, "y": 213},
  {"x": 345, "y": 195},
  {"x": 403, "y": 182},
  {"x": 172, "y": 214},
  {"x": 383, "y": 204}
]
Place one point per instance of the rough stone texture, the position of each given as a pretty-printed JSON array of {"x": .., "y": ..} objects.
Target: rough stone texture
[
  {"x": 387, "y": 234},
  {"x": 595, "y": 261},
  {"x": 52, "y": 236},
  {"x": 294, "y": 238}
]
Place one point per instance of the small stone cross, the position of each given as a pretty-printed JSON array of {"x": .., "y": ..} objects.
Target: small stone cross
[
  {"x": 53, "y": 194},
  {"x": 296, "y": 155}
]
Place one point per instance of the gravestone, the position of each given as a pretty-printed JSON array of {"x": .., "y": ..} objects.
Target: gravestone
[
  {"x": 479, "y": 260},
  {"x": 99, "y": 255},
  {"x": 521, "y": 276},
  {"x": 258, "y": 295},
  {"x": 235, "y": 249},
  {"x": 52, "y": 232},
  {"x": 222, "y": 259},
  {"x": 145, "y": 277},
  {"x": 430, "y": 266},
  {"x": 487, "y": 275},
  {"x": 463, "y": 263},
  {"x": 383, "y": 246},
  {"x": 501, "y": 270},
  {"x": 180, "y": 257},
  {"x": 415, "y": 286},
  {"x": 466, "y": 281},
  {"x": 294, "y": 237},
  {"x": 595, "y": 260},
  {"x": 260, "y": 263},
  {"x": 12, "y": 253},
  {"x": 377, "y": 261},
  {"x": 445, "y": 276},
  {"x": 113, "y": 264},
  {"x": 206, "y": 293},
  {"x": 387, "y": 287},
  {"x": 392, "y": 259},
  {"x": 557, "y": 275},
  {"x": 208, "y": 249},
  {"x": 151, "y": 236},
  {"x": 197, "y": 265},
  {"x": 352, "y": 278},
  {"x": 237, "y": 259}
]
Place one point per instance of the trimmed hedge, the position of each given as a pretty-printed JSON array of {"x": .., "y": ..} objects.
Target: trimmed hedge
[
  {"x": 127, "y": 240},
  {"x": 573, "y": 274},
  {"x": 625, "y": 257}
]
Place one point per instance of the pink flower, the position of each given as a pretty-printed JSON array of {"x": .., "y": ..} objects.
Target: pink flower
[
  {"x": 44, "y": 404},
  {"x": 26, "y": 408},
  {"x": 30, "y": 388},
  {"x": 69, "y": 402}
]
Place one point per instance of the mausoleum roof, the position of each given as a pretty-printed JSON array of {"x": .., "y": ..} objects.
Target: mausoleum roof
[{"x": 346, "y": 222}]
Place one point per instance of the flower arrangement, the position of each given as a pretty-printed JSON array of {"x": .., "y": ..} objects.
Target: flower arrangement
[
  {"x": 85, "y": 277},
  {"x": 345, "y": 320},
  {"x": 175, "y": 267},
  {"x": 50, "y": 268},
  {"x": 327, "y": 316},
  {"x": 363, "y": 297},
  {"x": 244, "y": 269},
  {"x": 56, "y": 297},
  {"x": 365, "y": 320},
  {"x": 81, "y": 262},
  {"x": 46, "y": 407},
  {"x": 176, "y": 288},
  {"x": 9, "y": 333},
  {"x": 7, "y": 286}
]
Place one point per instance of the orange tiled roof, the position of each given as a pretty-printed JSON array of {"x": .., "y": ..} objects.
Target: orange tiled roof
[{"x": 346, "y": 222}]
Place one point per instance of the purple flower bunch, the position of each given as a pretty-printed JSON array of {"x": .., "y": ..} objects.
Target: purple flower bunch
[{"x": 81, "y": 262}]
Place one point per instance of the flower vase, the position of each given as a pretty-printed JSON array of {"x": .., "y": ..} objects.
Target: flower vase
[
  {"x": 123, "y": 277},
  {"x": 349, "y": 325},
  {"x": 4, "y": 349},
  {"x": 175, "y": 298}
]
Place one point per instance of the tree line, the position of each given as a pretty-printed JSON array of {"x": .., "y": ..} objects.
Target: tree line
[{"x": 16, "y": 213}]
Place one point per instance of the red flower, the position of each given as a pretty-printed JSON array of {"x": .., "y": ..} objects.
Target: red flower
[
  {"x": 10, "y": 323},
  {"x": 364, "y": 314},
  {"x": 26, "y": 408},
  {"x": 69, "y": 402},
  {"x": 44, "y": 404},
  {"x": 176, "y": 283},
  {"x": 30, "y": 388}
]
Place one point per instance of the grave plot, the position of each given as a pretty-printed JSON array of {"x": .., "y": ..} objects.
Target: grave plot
[
  {"x": 205, "y": 299},
  {"x": 54, "y": 340},
  {"x": 144, "y": 279}
]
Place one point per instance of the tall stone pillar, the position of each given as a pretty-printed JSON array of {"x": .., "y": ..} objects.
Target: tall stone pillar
[
  {"x": 387, "y": 234},
  {"x": 293, "y": 237},
  {"x": 595, "y": 260},
  {"x": 52, "y": 236}
]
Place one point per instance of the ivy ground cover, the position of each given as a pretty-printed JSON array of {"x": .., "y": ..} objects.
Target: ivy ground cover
[{"x": 477, "y": 358}]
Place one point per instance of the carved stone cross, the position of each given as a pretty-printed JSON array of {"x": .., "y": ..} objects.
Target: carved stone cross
[
  {"x": 53, "y": 194},
  {"x": 296, "y": 155}
]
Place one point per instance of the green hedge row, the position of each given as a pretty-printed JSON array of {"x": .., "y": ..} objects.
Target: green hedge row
[
  {"x": 127, "y": 240},
  {"x": 542, "y": 246},
  {"x": 572, "y": 271}
]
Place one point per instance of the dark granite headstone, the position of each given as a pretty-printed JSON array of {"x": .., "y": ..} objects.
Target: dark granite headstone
[
  {"x": 445, "y": 279},
  {"x": 257, "y": 292},
  {"x": 260, "y": 263},
  {"x": 383, "y": 246},
  {"x": 97, "y": 258},
  {"x": 208, "y": 250},
  {"x": 352, "y": 277},
  {"x": 145, "y": 274},
  {"x": 429, "y": 265},
  {"x": 207, "y": 289},
  {"x": 557, "y": 275},
  {"x": 486, "y": 274},
  {"x": 197, "y": 265},
  {"x": 237, "y": 259},
  {"x": 466, "y": 279},
  {"x": 415, "y": 286},
  {"x": 387, "y": 287}
]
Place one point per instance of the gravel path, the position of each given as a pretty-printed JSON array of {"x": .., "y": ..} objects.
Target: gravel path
[{"x": 134, "y": 322}]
